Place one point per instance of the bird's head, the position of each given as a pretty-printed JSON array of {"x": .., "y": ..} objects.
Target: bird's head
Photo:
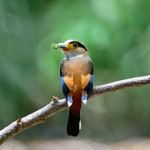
[{"x": 72, "y": 48}]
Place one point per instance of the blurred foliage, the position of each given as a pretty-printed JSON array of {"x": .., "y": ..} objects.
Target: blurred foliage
[{"x": 117, "y": 35}]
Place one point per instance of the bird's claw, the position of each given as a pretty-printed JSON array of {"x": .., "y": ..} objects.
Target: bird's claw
[
  {"x": 84, "y": 98},
  {"x": 69, "y": 100}
]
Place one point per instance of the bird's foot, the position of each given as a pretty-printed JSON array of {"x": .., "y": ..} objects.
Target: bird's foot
[
  {"x": 84, "y": 97},
  {"x": 69, "y": 100}
]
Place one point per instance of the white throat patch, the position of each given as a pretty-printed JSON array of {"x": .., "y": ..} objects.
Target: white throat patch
[{"x": 71, "y": 56}]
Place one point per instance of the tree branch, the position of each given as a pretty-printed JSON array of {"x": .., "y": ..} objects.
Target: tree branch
[{"x": 57, "y": 105}]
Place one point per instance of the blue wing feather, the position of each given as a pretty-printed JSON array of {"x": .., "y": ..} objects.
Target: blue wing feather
[
  {"x": 92, "y": 78},
  {"x": 62, "y": 82}
]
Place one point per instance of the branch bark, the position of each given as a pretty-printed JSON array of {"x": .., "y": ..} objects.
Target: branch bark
[{"x": 57, "y": 105}]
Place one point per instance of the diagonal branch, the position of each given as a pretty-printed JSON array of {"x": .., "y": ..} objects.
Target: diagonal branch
[{"x": 57, "y": 105}]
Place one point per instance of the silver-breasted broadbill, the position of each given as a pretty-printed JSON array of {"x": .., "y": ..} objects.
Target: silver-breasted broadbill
[{"x": 76, "y": 72}]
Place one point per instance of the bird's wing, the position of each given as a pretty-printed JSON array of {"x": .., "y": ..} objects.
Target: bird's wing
[
  {"x": 64, "y": 86},
  {"x": 88, "y": 78}
]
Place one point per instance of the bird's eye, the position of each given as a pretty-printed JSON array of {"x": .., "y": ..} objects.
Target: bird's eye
[{"x": 75, "y": 44}]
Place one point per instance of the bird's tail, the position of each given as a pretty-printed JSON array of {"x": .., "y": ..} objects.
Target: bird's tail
[{"x": 73, "y": 125}]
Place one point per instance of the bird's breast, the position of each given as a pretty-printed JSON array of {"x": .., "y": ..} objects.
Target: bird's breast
[{"x": 76, "y": 73}]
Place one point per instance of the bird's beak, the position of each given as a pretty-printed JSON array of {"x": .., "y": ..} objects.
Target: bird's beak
[{"x": 61, "y": 45}]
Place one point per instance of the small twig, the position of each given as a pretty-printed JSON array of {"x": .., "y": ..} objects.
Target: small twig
[{"x": 57, "y": 105}]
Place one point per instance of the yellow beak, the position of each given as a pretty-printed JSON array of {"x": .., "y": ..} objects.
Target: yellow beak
[{"x": 61, "y": 45}]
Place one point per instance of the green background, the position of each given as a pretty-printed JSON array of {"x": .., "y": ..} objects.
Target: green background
[{"x": 117, "y": 35}]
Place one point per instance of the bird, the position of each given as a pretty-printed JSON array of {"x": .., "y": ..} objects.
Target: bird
[{"x": 77, "y": 76}]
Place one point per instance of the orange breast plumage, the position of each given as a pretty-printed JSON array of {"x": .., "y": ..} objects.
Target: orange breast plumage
[{"x": 76, "y": 73}]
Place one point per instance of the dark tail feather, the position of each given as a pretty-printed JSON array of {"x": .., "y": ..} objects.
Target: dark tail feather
[{"x": 73, "y": 123}]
